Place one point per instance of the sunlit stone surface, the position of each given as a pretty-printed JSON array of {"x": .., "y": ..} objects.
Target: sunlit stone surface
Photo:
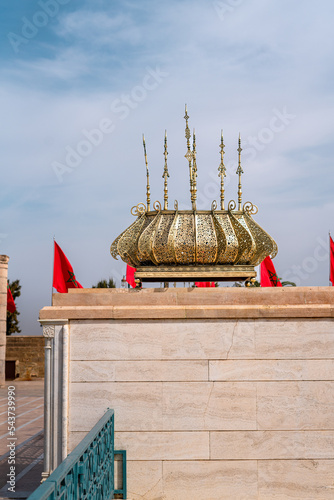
[{"x": 218, "y": 393}]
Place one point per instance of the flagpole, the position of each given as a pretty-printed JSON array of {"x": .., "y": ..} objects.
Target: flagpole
[
  {"x": 53, "y": 269},
  {"x": 329, "y": 260}
]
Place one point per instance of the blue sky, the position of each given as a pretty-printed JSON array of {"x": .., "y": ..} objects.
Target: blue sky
[{"x": 70, "y": 68}]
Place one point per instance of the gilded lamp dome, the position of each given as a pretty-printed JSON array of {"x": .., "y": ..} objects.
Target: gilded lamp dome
[{"x": 186, "y": 245}]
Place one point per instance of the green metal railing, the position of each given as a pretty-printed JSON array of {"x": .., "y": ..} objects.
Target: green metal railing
[
  {"x": 122, "y": 491},
  {"x": 87, "y": 472}
]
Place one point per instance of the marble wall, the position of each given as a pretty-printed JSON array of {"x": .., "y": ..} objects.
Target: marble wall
[{"x": 212, "y": 408}]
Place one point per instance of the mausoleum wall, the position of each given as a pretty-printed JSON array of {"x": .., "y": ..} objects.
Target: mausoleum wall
[{"x": 220, "y": 393}]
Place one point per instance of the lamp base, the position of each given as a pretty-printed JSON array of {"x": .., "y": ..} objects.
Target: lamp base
[{"x": 194, "y": 273}]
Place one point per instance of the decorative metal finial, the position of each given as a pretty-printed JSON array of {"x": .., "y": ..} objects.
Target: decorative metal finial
[
  {"x": 222, "y": 173},
  {"x": 189, "y": 156},
  {"x": 239, "y": 172},
  {"x": 148, "y": 193},
  {"x": 194, "y": 170},
  {"x": 165, "y": 175}
]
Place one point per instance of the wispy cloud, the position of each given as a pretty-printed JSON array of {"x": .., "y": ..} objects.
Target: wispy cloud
[{"x": 233, "y": 71}]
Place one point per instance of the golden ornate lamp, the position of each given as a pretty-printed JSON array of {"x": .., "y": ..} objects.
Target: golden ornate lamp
[{"x": 194, "y": 245}]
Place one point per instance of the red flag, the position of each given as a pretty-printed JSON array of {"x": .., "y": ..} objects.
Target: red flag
[
  {"x": 63, "y": 275},
  {"x": 204, "y": 283},
  {"x": 268, "y": 273},
  {"x": 130, "y": 275},
  {"x": 11, "y": 307},
  {"x": 331, "y": 259}
]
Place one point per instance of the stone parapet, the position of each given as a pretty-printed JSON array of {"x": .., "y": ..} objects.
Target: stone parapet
[
  {"x": 195, "y": 296},
  {"x": 218, "y": 393},
  {"x": 193, "y": 303}
]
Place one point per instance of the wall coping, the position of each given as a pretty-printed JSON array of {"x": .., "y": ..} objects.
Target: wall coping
[{"x": 191, "y": 303}]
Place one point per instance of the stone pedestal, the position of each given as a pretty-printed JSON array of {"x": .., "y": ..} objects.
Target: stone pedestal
[
  {"x": 3, "y": 315},
  {"x": 219, "y": 393}
]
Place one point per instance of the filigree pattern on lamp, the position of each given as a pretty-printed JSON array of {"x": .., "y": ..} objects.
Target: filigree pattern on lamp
[{"x": 168, "y": 240}]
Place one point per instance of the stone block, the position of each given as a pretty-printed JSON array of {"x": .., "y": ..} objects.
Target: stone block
[
  {"x": 271, "y": 445},
  {"x": 139, "y": 371},
  {"x": 3, "y": 273},
  {"x": 263, "y": 370},
  {"x": 137, "y": 406},
  {"x": 295, "y": 405},
  {"x": 296, "y": 479},
  {"x": 196, "y": 296},
  {"x": 2, "y": 365},
  {"x": 294, "y": 339},
  {"x": 223, "y": 303},
  {"x": 114, "y": 340},
  {"x": 209, "y": 339},
  {"x": 163, "y": 445},
  {"x": 144, "y": 480},
  {"x": 210, "y": 480},
  {"x": 162, "y": 340},
  {"x": 209, "y": 406}
]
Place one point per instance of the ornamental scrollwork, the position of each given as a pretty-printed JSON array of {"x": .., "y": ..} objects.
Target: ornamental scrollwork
[
  {"x": 231, "y": 205},
  {"x": 139, "y": 209},
  {"x": 157, "y": 206},
  {"x": 49, "y": 331},
  {"x": 214, "y": 205},
  {"x": 250, "y": 208}
]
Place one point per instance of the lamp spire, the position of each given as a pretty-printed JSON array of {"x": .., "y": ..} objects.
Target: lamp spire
[
  {"x": 222, "y": 173},
  {"x": 148, "y": 193},
  {"x": 189, "y": 156},
  {"x": 165, "y": 175},
  {"x": 194, "y": 171},
  {"x": 239, "y": 172}
]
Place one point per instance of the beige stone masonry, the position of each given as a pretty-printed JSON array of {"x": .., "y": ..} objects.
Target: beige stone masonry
[
  {"x": 3, "y": 314},
  {"x": 269, "y": 370},
  {"x": 206, "y": 340},
  {"x": 209, "y": 480},
  {"x": 195, "y": 296},
  {"x": 295, "y": 405},
  {"x": 139, "y": 371},
  {"x": 297, "y": 479},
  {"x": 195, "y": 303},
  {"x": 29, "y": 354},
  {"x": 271, "y": 445},
  {"x": 224, "y": 393}
]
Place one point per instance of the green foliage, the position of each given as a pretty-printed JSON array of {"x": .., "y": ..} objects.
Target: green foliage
[
  {"x": 105, "y": 284},
  {"x": 12, "y": 318}
]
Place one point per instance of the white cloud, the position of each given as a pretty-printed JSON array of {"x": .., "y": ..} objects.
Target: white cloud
[
  {"x": 232, "y": 73},
  {"x": 99, "y": 28}
]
